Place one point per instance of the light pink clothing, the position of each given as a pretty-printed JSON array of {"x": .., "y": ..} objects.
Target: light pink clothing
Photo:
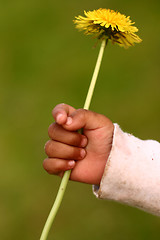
[{"x": 132, "y": 173}]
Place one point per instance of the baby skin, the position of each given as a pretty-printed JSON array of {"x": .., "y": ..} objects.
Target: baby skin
[{"x": 85, "y": 153}]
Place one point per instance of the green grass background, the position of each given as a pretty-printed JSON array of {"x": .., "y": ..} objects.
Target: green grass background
[{"x": 44, "y": 60}]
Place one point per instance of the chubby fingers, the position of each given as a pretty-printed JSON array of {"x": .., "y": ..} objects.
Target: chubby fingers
[
  {"x": 58, "y": 133},
  {"x": 72, "y": 119},
  {"x": 60, "y": 150},
  {"x": 61, "y": 157},
  {"x": 63, "y": 149},
  {"x": 57, "y": 166}
]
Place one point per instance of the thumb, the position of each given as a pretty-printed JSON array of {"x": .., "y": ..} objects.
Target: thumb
[{"x": 87, "y": 120}]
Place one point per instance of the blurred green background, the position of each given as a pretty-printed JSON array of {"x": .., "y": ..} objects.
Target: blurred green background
[{"x": 44, "y": 60}]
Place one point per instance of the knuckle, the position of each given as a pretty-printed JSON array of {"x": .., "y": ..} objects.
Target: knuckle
[
  {"x": 48, "y": 147},
  {"x": 51, "y": 166},
  {"x": 51, "y": 130},
  {"x": 46, "y": 166}
]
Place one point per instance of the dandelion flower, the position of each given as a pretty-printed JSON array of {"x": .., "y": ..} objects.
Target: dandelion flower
[{"x": 110, "y": 25}]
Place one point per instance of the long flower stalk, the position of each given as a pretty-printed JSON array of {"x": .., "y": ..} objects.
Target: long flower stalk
[{"x": 66, "y": 175}]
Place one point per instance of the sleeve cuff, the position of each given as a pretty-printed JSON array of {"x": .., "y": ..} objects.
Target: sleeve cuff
[{"x": 132, "y": 173}]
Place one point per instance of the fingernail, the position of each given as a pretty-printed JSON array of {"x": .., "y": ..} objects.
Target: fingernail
[
  {"x": 59, "y": 117},
  {"x": 82, "y": 153},
  {"x": 71, "y": 163},
  {"x": 69, "y": 121},
  {"x": 84, "y": 142}
]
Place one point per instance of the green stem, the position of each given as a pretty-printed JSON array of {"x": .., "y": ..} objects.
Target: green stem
[
  {"x": 95, "y": 75},
  {"x": 66, "y": 175},
  {"x": 56, "y": 205}
]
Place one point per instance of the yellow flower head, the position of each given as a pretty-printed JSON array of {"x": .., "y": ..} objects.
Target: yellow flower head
[{"x": 108, "y": 24}]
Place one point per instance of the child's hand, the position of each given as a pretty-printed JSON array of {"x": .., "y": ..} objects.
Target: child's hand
[{"x": 86, "y": 154}]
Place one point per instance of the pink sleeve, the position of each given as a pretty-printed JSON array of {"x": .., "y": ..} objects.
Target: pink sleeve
[{"x": 132, "y": 173}]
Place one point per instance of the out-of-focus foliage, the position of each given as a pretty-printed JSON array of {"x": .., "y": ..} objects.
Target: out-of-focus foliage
[{"x": 45, "y": 61}]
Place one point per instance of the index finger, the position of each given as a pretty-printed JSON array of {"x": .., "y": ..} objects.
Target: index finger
[{"x": 61, "y": 113}]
